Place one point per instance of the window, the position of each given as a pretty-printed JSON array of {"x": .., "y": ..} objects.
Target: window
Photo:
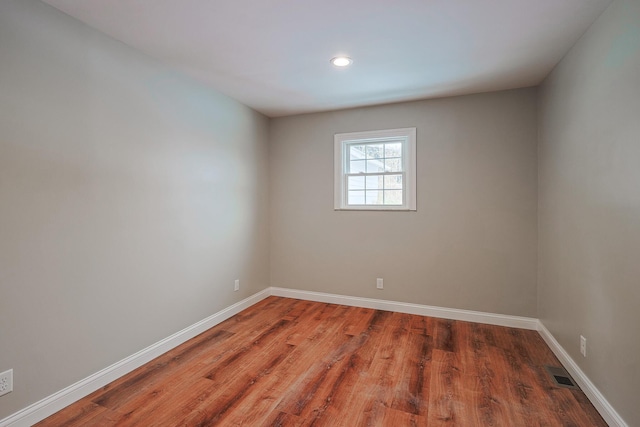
[{"x": 375, "y": 170}]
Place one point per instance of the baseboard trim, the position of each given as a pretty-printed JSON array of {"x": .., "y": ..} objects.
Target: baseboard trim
[
  {"x": 597, "y": 399},
  {"x": 409, "y": 308},
  {"x": 57, "y": 401}
]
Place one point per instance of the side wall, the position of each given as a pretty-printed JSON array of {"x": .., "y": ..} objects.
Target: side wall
[
  {"x": 472, "y": 242},
  {"x": 130, "y": 199},
  {"x": 589, "y": 204}
]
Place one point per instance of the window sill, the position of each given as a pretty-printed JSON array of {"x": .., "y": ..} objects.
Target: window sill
[{"x": 375, "y": 209}]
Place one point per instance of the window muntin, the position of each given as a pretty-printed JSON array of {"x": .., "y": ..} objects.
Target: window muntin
[{"x": 375, "y": 170}]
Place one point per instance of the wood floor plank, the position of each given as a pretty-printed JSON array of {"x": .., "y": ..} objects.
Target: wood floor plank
[
  {"x": 392, "y": 417},
  {"x": 245, "y": 373},
  {"x": 321, "y": 377},
  {"x": 486, "y": 372},
  {"x": 323, "y": 315},
  {"x": 287, "y": 362},
  {"x": 241, "y": 372},
  {"x": 412, "y": 392},
  {"x": 360, "y": 321},
  {"x": 520, "y": 377},
  {"x": 168, "y": 401},
  {"x": 260, "y": 315},
  {"x": 215, "y": 408},
  {"x": 387, "y": 366},
  {"x": 348, "y": 401},
  {"x": 282, "y": 419},
  {"x": 444, "y": 335},
  {"x": 446, "y": 404},
  {"x": 274, "y": 390}
]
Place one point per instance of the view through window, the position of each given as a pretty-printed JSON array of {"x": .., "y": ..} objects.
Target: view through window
[{"x": 376, "y": 170}]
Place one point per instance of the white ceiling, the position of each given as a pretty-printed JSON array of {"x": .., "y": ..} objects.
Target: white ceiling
[{"x": 273, "y": 55}]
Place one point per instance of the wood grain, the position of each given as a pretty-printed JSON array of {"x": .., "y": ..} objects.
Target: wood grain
[{"x": 286, "y": 362}]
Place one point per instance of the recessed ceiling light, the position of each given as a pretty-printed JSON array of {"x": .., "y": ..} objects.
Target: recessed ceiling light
[{"x": 341, "y": 61}]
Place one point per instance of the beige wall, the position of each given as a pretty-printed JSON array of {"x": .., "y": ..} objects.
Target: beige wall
[
  {"x": 130, "y": 199},
  {"x": 472, "y": 242},
  {"x": 589, "y": 204}
]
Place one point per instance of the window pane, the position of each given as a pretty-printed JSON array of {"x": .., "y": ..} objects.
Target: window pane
[
  {"x": 393, "y": 182},
  {"x": 393, "y": 165},
  {"x": 356, "y": 183},
  {"x": 375, "y": 170},
  {"x": 374, "y": 197},
  {"x": 356, "y": 198},
  {"x": 356, "y": 152},
  {"x": 393, "y": 197},
  {"x": 375, "y": 151},
  {"x": 356, "y": 166},
  {"x": 374, "y": 182},
  {"x": 374, "y": 166},
  {"x": 393, "y": 150}
]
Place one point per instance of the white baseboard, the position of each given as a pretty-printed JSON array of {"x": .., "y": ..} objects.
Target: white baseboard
[
  {"x": 409, "y": 308},
  {"x": 597, "y": 399},
  {"x": 57, "y": 401}
]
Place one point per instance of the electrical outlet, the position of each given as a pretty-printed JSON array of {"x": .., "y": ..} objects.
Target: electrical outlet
[
  {"x": 583, "y": 346},
  {"x": 236, "y": 286},
  {"x": 379, "y": 283},
  {"x": 6, "y": 382}
]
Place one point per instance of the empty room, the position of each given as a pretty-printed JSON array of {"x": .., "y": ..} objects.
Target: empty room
[{"x": 297, "y": 213}]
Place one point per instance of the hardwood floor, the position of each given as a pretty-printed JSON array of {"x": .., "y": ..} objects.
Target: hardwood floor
[{"x": 286, "y": 362}]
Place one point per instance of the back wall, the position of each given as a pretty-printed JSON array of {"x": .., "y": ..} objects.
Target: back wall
[{"x": 470, "y": 245}]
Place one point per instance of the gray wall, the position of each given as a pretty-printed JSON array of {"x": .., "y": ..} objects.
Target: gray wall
[
  {"x": 130, "y": 199},
  {"x": 472, "y": 242},
  {"x": 589, "y": 204}
]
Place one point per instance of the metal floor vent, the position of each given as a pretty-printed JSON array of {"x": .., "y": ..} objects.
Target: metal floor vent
[{"x": 560, "y": 376}]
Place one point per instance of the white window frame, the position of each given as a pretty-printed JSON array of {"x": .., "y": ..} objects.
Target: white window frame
[{"x": 407, "y": 136}]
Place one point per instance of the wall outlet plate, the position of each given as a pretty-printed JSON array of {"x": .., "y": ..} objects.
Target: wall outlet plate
[
  {"x": 379, "y": 283},
  {"x": 6, "y": 382},
  {"x": 236, "y": 286},
  {"x": 583, "y": 346}
]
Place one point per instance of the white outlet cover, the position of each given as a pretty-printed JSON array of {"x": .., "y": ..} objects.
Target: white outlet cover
[
  {"x": 380, "y": 283},
  {"x": 6, "y": 382}
]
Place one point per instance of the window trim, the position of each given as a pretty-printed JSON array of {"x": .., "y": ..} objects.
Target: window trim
[{"x": 343, "y": 140}]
